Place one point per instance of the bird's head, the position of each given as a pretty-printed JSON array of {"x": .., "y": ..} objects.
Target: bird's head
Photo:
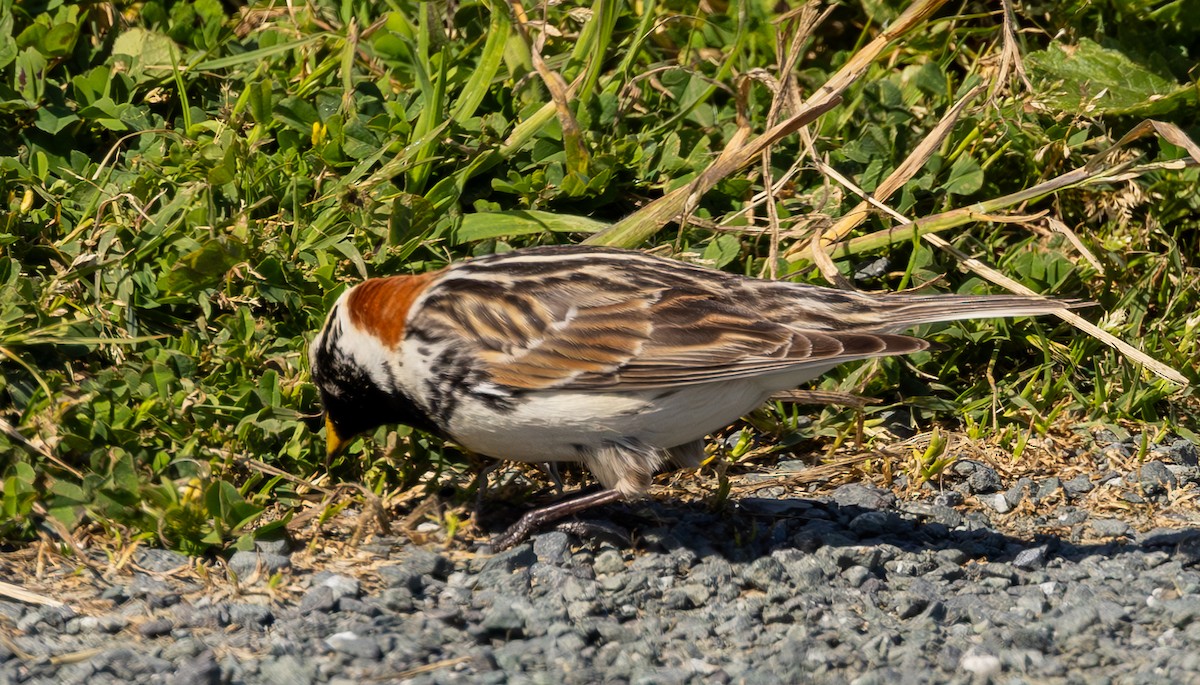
[
  {"x": 355, "y": 360},
  {"x": 346, "y": 368}
]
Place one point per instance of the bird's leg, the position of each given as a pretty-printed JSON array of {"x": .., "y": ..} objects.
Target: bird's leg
[
  {"x": 535, "y": 519},
  {"x": 481, "y": 483},
  {"x": 550, "y": 468}
]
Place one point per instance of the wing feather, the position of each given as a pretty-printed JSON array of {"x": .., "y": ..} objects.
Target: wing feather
[{"x": 625, "y": 322}]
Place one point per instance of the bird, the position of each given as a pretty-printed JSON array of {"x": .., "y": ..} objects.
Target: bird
[{"x": 617, "y": 359}]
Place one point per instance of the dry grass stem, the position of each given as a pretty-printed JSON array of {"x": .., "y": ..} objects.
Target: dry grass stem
[
  {"x": 895, "y": 181},
  {"x": 637, "y": 227},
  {"x": 22, "y": 595},
  {"x": 822, "y": 397},
  {"x": 1059, "y": 227},
  {"x": 1010, "y": 53},
  {"x": 817, "y": 474},
  {"x": 979, "y": 268},
  {"x": 560, "y": 93}
]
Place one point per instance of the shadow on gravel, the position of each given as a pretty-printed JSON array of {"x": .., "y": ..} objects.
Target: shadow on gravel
[{"x": 752, "y": 527}]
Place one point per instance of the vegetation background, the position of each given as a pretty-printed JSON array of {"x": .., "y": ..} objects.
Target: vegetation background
[{"x": 187, "y": 186}]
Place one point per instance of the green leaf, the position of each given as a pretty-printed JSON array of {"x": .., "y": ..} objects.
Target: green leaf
[
  {"x": 966, "y": 176},
  {"x": 52, "y": 119},
  {"x": 59, "y": 41},
  {"x": 1089, "y": 79},
  {"x": 722, "y": 250},
  {"x": 203, "y": 267},
  {"x": 8, "y": 45},
  {"x": 148, "y": 53},
  {"x": 260, "y": 100},
  {"x": 227, "y": 506},
  {"x": 298, "y": 114},
  {"x": 488, "y": 225},
  {"x": 29, "y": 74}
]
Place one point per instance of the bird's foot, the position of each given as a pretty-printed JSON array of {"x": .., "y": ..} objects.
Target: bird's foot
[
  {"x": 596, "y": 531},
  {"x": 531, "y": 521}
]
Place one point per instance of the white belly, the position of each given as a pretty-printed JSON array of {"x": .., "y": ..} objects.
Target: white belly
[
  {"x": 557, "y": 426},
  {"x": 622, "y": 436}
]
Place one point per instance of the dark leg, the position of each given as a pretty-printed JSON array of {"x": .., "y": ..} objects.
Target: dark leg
[
  {"x": 535, "y": 519},
  {"x": 481, "y": 483}
]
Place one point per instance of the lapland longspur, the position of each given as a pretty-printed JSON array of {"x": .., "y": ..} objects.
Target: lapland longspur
[{"x": 613, "y": 358}]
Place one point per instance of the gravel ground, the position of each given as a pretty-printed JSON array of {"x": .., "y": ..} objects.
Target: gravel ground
[{"x": 994, "y": 577}]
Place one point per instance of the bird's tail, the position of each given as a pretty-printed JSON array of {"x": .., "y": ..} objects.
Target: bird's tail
[{"x": 904, "y": 311}]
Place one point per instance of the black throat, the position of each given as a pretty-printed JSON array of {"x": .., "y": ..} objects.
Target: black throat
[{"x": 352, "y": 400}]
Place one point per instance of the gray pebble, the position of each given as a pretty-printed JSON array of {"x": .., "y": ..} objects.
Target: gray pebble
[
  {"x": 1110, "y": 527},
  {"x": 856, "y": 575},
  {"x": 553, "y": 547},
  {"x": 1078, "y": 486},
  {"x": 999, "y": 502},
  {"x": 1183, "y": 452},
  {"x": 319, "y": 598},
  {"x": 1183, "y": 611},
  {"x": 250, "y": 615},
  {"x": 981, "y": 479},
  {"x": 1031, "y": 557},
  {"x": 764, "y": 573},
  {"x": 422, "y": 562},
  {"x": 1154, "y": 478},
  {"x": 1076, "y": 620},
  {"x": 608, "y": 562},
  {"x": 341, "y": 585},
  {"x": 1070, "y": 516},
  {"x": 948, "y": 498},
  {"x": 863, "y": 496},
  {"x": 1017, "y": 493},
  {"x": 245, "y": 564},
  {"x": 503, "y": 617},
  {"x": 980, "y": 665},
  {"x": 1046, "y": 489},
  {"x": 510, "y": 560},
  {"x": 277, "y": 546},
  {"x": 870, "y": 523},
  {"x": 774, "y": 506},
  {"x": 200, "y": 670},
  {"x": 160, "y": 560},
  {"x": 287, "y": 670},
  {"x": 908, "y": 605},
  {"x": 350, "y": 643},
  {"x": 155, "y": 628}
]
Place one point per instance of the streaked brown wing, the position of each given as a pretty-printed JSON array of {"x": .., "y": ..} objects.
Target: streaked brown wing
[{"x": 608, "y": 334}]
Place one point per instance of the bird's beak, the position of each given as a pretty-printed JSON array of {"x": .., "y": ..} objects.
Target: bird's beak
[{"x": 334, "y": 443}]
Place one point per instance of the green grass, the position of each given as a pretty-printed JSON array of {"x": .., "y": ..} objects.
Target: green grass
[{"x": 187, "y": 188}]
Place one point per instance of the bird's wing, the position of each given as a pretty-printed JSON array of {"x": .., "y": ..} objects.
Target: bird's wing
[{"x": 623, "y": 323}]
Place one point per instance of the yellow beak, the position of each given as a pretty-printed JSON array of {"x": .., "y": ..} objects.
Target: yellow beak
[{"x": 334, "y": 443}]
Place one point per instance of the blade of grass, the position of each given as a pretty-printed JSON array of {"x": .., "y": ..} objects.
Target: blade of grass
[
  {"x": 593, "y": 44},
  {"x": 254, "y": 56},
  {"x": 431, "y": 113},
  {"x": 476, "y": 88}
]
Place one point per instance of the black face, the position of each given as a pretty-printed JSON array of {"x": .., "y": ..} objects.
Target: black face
[{"x": 352, "y": 400}]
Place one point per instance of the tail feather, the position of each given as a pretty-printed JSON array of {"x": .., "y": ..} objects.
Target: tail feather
[{"x": 906, "y": 311}]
